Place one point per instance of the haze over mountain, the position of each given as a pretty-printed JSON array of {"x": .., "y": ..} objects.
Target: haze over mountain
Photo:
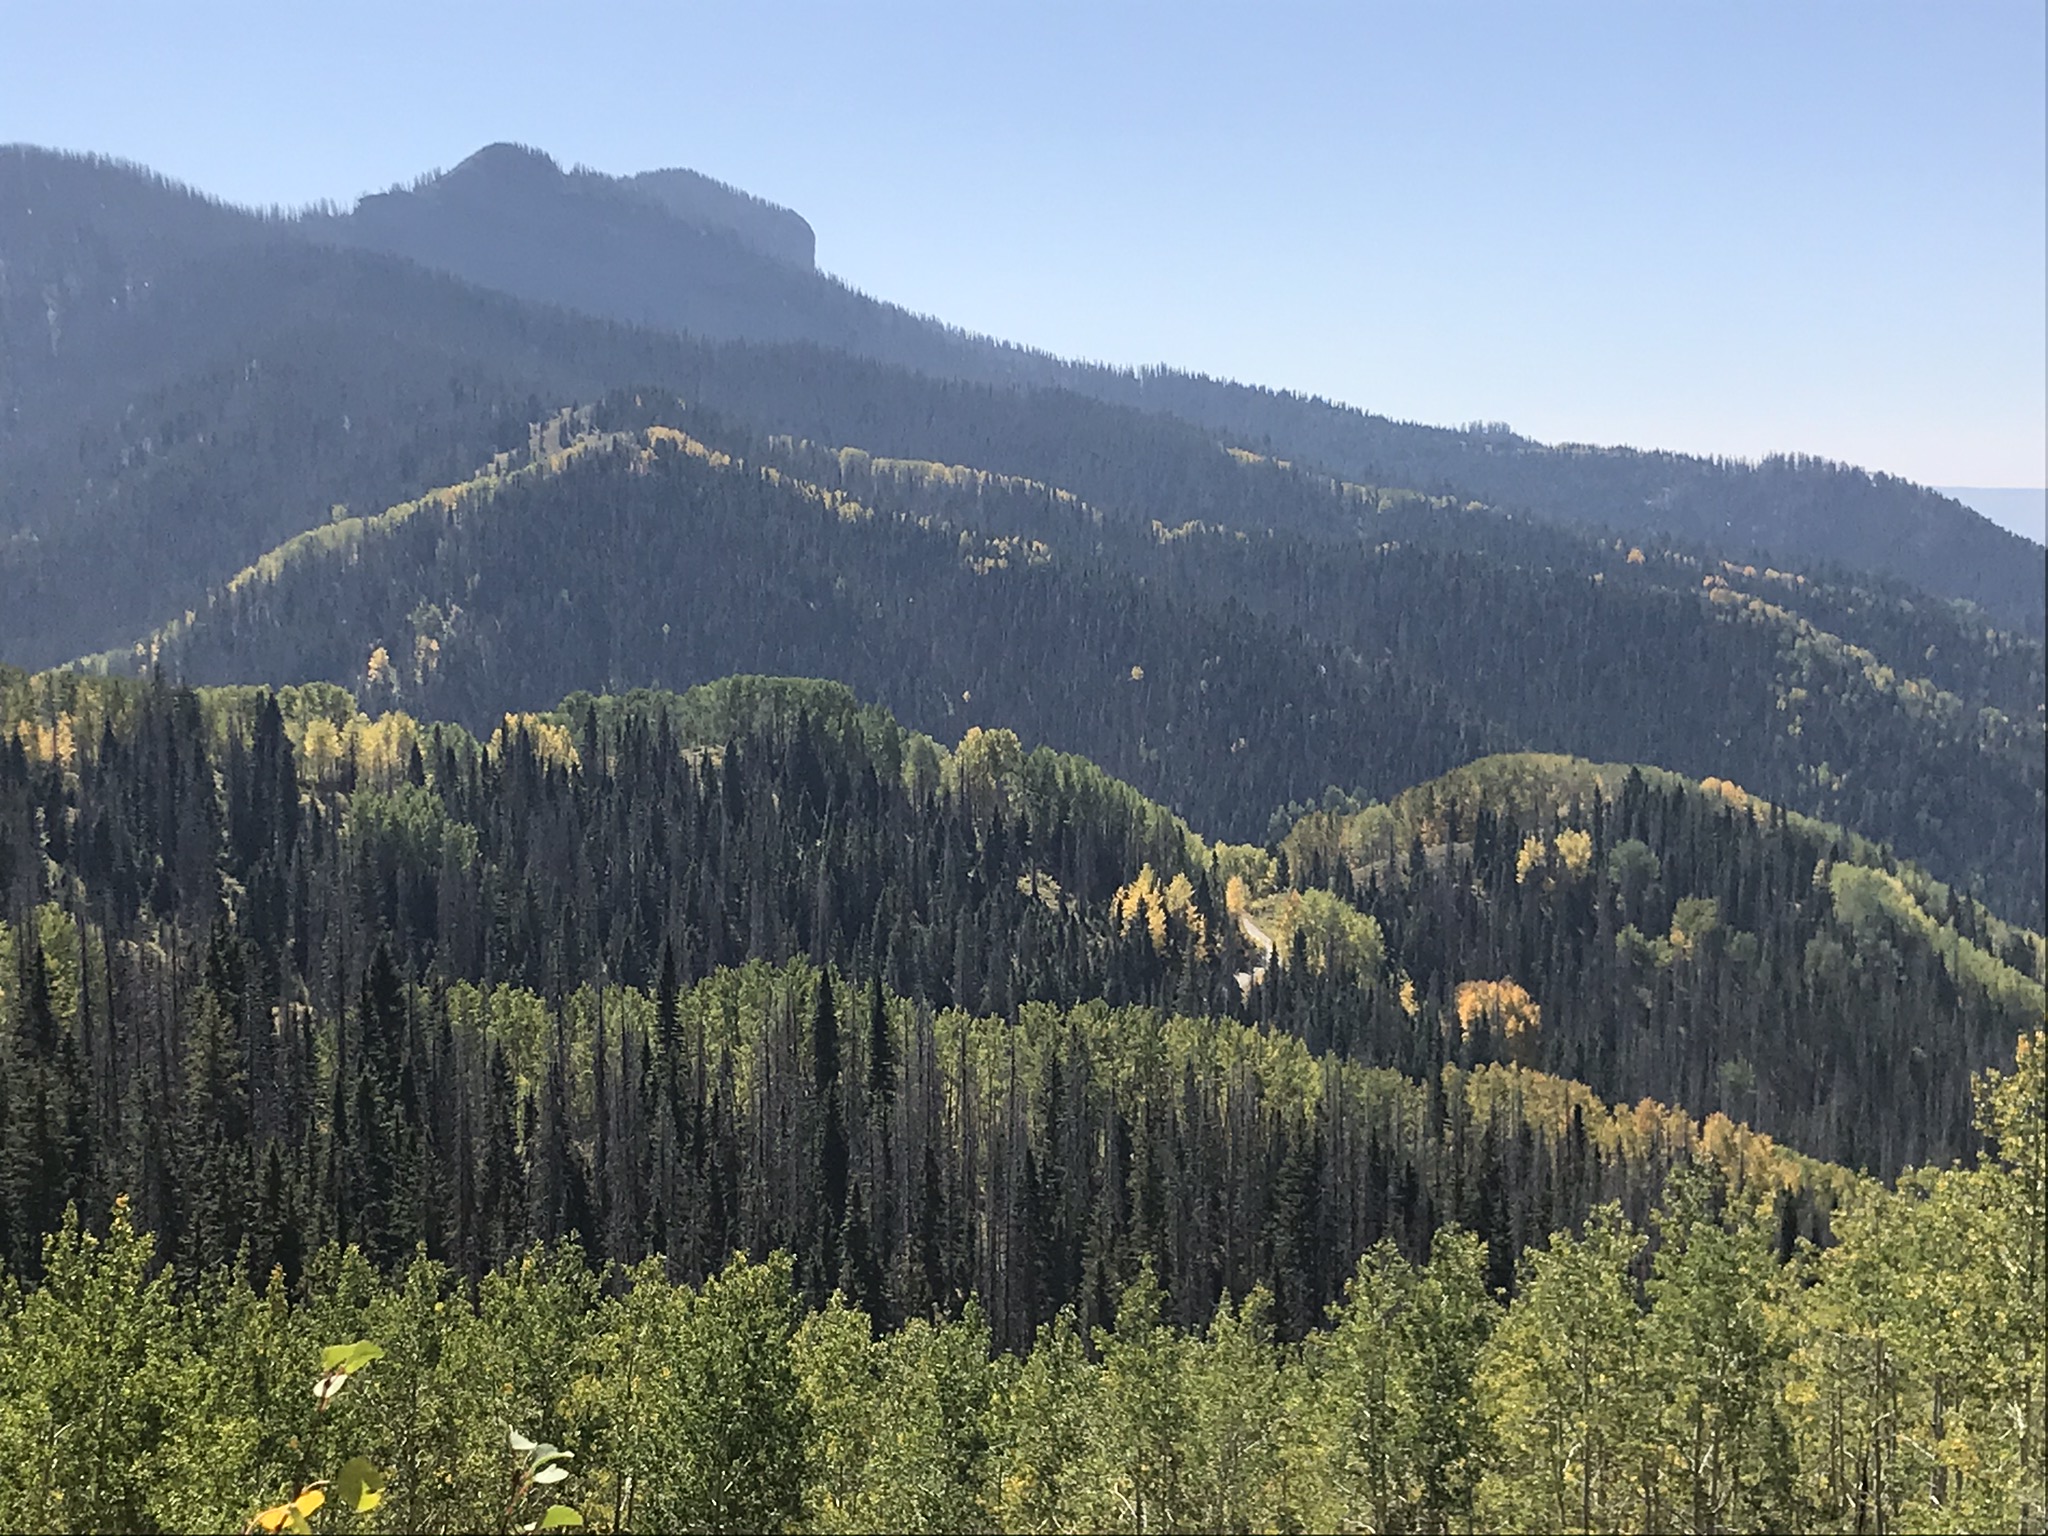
[
  {"x": 188, "y": 386},
  {"x": 951, "y": 595},
  {"x": 718, "y": 264},
  {"x": 2022, "y": 509},
  {"x": 1062, "y": 948},
  {"x": 510, "y": 218}
]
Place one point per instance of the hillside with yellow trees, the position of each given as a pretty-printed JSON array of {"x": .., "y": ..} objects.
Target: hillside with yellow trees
[
  {"x": 859, "y": 1080},
  {"x": 1226, "y": 669},
  {"x": 777, "y": 917}
]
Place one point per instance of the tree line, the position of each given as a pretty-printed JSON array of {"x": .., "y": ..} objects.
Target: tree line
[
  {"x": 276, "y": 976},
  {"x": 1680, "y": 1374},
  {"x": 1222, "y": 674}
]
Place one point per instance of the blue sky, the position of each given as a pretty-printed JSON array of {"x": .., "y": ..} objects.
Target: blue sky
[{"x": 1725, "y": 228}]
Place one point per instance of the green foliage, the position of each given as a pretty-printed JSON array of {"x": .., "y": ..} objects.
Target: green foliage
[
  {"x": 1144, "y": 1443},
  {"x": 1565, "y": 1383},
  {"x": 1895, "y": 1375},
  {"x": 91, "y": 1379},
  {"x": 1873, "y": 903},
  {"x": 1623, "y": 896},
  {"x": 712, "y": 1428},
  {"x": 1334, "y": 935}
]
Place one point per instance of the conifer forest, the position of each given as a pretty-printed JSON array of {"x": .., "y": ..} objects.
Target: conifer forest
[{"x": 725, "y": 908}]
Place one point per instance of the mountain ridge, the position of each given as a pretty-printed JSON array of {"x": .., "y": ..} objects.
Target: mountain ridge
[
  {"x": 1044, "y": 604},
  {"x": 634, "y": 261},
  {"x": 1916, "y": 535}
]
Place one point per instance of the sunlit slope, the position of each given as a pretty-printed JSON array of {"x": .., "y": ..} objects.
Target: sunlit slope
[
  {"x": 511, "y": 219},
  {"x": 186, "y": 384},
  {"x": 1689, "y": 934},
  {"x": 658, "y": 561},
  {"x": 772, "y": 818},
  {"x": 1226, "y": 671}
]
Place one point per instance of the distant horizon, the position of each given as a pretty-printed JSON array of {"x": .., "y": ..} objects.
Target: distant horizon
[
  {"x": 1728, "y": 232},
  {"x": 2022, "y": 510}
]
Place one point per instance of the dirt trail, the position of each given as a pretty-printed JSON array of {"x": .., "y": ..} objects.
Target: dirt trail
[{"x": 1264, "y": 942}]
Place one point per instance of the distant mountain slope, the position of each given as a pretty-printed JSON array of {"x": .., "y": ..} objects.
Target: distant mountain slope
[
  {"x": 170, "y": 416},
  {"x": 183, "y": 385},
  {"x": 657, "y": 562},
  {"x": 764, "y": 226},
  {"x": 511, "y": 220},
  {"x": 1649, "y": 916},
  {"x": 1669, "y": 938},
  {"x": 171, "y": 408},
  {"x": 2024, "y": 510},
  {"x": 1224, "y": 674},
  {"x": 1809, "y": 513}
]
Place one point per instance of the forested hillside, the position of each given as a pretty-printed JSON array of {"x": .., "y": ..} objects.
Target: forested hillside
[
  {"x": 151, "y": 339},
  {"x": 181, "y": 867},
  {"x": 172, "y": 419},
  {"x": 706, "y": 904},
  {"x": 292, "y": 978},
  {"x": 1683, "y": 1377},
  {"x": 955, "y": 596},
  {"x": 1685, "y": 940},
  {"x": 509, "y": 218},
  {"x": 1796, "y": 510}
]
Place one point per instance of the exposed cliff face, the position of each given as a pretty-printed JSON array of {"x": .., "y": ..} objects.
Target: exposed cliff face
[
  {"x": 516, "y": 180},
  {"x": 675, "y": 250},
  {"x": 670, "y": 249}
]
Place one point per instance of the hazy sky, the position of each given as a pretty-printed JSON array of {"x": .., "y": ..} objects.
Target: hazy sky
[{"x": 1720, "y": 227}]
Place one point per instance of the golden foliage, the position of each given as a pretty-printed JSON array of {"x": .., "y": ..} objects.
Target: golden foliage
[
  {"x": 381, "y": 676},
  {"x": 1237, "y": 897},
  {"x": 669, "y": 437},
  {"x": 1533, "y": 849},
  {"x": 320, "y": 750},
  {"x": 383, "y": 748},
  {"x": 1575, "y": 850},
  {"x": 1728, "y": 790},
  {"x": 1506, "y": 1006},
  {"x": 1144, "y": 900},
  {"x": 54, "y": 743},
  {"x": 552, "y": 743},
  {"x": 1252, "y": 867}
]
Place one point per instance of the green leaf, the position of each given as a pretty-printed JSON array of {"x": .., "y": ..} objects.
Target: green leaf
[
  {"x": 347, "y": 1358},
  {"x": 361, "y": 1484},
  {"x": 559, "y": 1515}
]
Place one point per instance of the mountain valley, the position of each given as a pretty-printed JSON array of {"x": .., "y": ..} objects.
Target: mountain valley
[{"x": 872, "y": 928}]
